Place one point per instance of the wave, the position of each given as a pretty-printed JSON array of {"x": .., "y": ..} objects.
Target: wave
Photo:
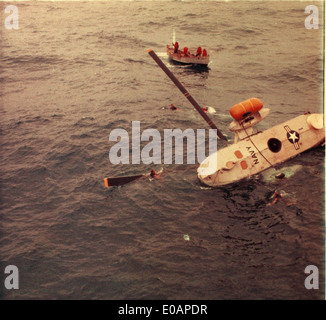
[
  {"x": 36, "y": 62},
  {"x": 130, "y": 60}
]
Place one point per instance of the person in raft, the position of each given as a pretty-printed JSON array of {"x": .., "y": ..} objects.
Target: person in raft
[
  {"x": 204, "y": 53},
  {"x": 176, "y": 47},
  {"x": 186, "y": 51},
  {"x": 198, "y": 53}
]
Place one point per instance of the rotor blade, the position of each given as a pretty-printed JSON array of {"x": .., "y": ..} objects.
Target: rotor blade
[
  {"x": 117, "y": 181},
  {"x": 186, "y": 93}
]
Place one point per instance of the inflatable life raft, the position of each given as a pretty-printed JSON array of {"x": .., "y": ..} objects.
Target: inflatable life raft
[{"x": 243, "y": 109}]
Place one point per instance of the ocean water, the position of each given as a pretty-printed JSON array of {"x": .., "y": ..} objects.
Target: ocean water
[{"x": 73, "y": 72}]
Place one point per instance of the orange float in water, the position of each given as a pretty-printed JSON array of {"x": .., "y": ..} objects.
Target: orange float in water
[{"x": 249, "y": 106}]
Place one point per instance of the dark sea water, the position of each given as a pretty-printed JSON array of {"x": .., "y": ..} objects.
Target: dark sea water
[{"x": 73, "y": 72}]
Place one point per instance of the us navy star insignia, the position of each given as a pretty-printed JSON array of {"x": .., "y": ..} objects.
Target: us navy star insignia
[{"x": 293, "y": 137}]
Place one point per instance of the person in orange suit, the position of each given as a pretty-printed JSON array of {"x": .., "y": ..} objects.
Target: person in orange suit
[
  {"x": 176, "y": 47},
  {"x": 186, "y": 51}
]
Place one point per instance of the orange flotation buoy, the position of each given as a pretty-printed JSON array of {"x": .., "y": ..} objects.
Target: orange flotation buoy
[{"x": 244, "y": 108}]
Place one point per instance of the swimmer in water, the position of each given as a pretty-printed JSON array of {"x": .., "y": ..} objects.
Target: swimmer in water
[
  {"x": 153, "y": 174},
  {"x": 277, "y": 197}
]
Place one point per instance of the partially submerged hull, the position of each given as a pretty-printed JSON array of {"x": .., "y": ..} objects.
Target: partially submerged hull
[
  {"x": 262, "y": 150},
  {"x": 187, "y": 60},
  {"x": 252, "y": 152}
]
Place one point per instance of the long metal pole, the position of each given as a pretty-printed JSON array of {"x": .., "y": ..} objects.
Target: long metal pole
[{"x": 185, "y": 93}]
